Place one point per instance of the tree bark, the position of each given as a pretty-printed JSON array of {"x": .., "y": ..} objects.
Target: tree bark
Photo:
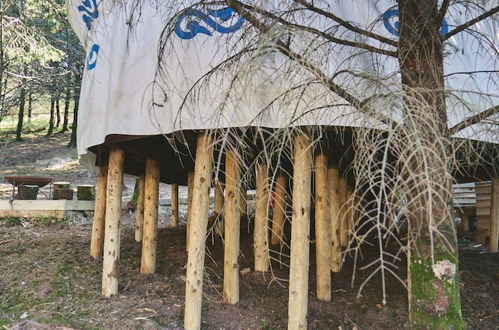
[
  {"x": 433, "y": 281},
  {"x": 58, "y": 110},
  {"x": 67, "y": 101},
  {"x": 22, "y": 102},
  {"x": 51, "y": 120},
  {"x": 76, "y": 99}
]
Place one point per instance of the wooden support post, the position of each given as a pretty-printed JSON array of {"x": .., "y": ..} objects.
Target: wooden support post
[
  {"x": 174, "y": 202},
  {"x": 494, "y": 217},
  {"x": 97, "y": 240},
  {"x": 219, "y": 204},
  {"x": 343, "y": 193},
  {"x": 243, "y": 203},
  {"x": 219, "y": 198},
  {"x": 190, "y": 191},
  {"x": 139, "y": 211},
  {"x": 465, "y": 222},
  {"x": 300, "y": 231},
  {"x": 279, "y": 208},
  {"x": 261, "y": 236},
  {"x": 151, "y": 201},
  {"x": 322, "y": 229},
  {"x": 198, "y": 227},
  {"x": 350, "y": 213},
  {"x": 113, "y": 215},
  {"x": 232, "y": 228},
  {"x": 333, "y": 177}
]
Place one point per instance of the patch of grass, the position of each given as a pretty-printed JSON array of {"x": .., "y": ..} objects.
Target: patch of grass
[{"x": 12, "y": 221}]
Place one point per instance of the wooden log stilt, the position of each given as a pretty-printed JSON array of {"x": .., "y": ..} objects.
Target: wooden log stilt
[
  {"x": 343, "y": 192},
  {"x": 139, "y": 211},
  {"x": 465, "y": 222},
  {"x": 219, "y": 204},
  {"x": 113, "y": 214},
  {"x": 261, "y": 237},
  {"x": 151, "y": 201},
  {"x": 97, "y": 240},
  {"x": 174, "y": 202},
  {"x": 300, "y": 231},
  {"x": 333, "y": 177},
  {"x": 198, "y": 227},
  {"x": 322, "y": 230},
  {"x": 232, "y": 228},
  {"x": 219, "y": 198},
  {"x": 279, "y": 209},
  {"x": 190, "y": 188},
  {"x": 494, "y": 217},
  {"x": 243, "y": 203},
  {"x": 350, "y": 213}
]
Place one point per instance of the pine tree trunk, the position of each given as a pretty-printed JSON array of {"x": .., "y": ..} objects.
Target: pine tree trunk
[
  {"x": 57, "y": 110},
  {"x": 67, "y": 100},
  {"x": 30, "y": 105},
  {"x": 22, "y": 102},
  {"x": 433, "y": 282},
  {"x": 51, "y": 120},
  {"x": 76, "y": 99}
]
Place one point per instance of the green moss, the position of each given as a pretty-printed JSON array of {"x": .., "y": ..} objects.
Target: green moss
[{"x": 426, "y": 305}]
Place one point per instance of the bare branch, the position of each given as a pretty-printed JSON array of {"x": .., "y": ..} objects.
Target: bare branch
[
  {"x": 443, "y": 10},
  {"x": 346, "y": 24},
  {"x": 466, "y": 25},
  {"x": 322, "y": 34},
  {"x": 474, "y": 120}
]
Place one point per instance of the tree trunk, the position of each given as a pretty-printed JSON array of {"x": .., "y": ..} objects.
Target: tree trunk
[
  {"x": 67, "y": 100},
  {"x": 58, "y": 110},
  {"x": 433, "y": 281},
  {"x": 30, "y": 105},
  {"x": 76, "y": 99},
  {"x": 51, "y": 120},
  {"x": 22, "y": 102}
]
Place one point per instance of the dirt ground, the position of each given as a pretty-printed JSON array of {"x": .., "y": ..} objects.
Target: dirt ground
[{"x": 46, "y": 275}]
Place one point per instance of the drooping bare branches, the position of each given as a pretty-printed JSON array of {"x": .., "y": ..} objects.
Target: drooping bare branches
[
  {"x": 479, "y": 117},
  {"x": 468, "y": 24}
]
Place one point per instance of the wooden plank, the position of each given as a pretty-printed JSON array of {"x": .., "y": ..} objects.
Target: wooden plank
[
  {"x": 47, "y": 205},
  {"x": 32, "y": 214}
]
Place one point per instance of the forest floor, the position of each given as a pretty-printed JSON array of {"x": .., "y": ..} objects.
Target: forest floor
[{"x": 47, "y": 276}]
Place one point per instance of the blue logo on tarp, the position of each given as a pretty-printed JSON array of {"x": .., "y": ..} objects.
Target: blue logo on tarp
[
  {"x": 90, "y": 12},
  {"x": 392, "y": 25},
  {"x": 194, "y": 17},
  {"x": 92, "y": 57}
]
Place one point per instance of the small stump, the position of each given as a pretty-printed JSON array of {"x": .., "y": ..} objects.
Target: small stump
[
  {"x": 85, "y": 192},
  {"x": 27, "y": 192},
  {"x": 62, "y": 190}
]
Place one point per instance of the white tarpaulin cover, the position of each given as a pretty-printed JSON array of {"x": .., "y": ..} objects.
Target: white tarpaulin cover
[{"x": 123, "y": 92}]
